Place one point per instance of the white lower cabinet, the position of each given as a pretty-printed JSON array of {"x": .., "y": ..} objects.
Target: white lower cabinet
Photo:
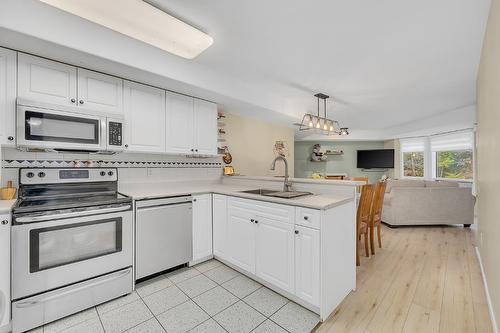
[
  {"x": 307, "y": 261},
  {"x": 241, "y": 238},
  {"x": 202, "y": 227},
  {"x": 219, "y": 221},
  {"x": 4, "y": 271},
  {"x": 274, "y": 252}
]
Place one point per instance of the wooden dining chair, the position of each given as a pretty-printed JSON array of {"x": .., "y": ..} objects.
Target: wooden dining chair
[
  {"x": 376, "y": 214},
  {"x": 363, "y": 218}
]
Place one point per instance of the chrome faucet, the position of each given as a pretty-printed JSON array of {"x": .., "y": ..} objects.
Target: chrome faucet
[{"x": 287, "y": 185}]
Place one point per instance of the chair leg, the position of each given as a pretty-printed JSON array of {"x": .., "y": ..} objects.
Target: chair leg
[
  {"x": 372, "y": 242},
  {"x": 379, "y": 237},
  {"x": 358, "y": 261},
  {"x": 367, "y": 252}
]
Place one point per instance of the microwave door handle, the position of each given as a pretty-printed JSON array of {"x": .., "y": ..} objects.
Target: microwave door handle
[
  {"x": 104, "y": 134},
  {"x": 31, "y": 219},
  {"x": 72, "y": 291}
]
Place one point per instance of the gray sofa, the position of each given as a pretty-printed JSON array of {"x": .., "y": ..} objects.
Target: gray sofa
[{"x": 421, "y": 202}]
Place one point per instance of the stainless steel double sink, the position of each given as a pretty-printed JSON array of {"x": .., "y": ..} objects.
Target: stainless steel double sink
[{"x": 277, "y": 194}]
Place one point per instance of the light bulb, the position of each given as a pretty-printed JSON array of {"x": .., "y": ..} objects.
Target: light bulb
[
  {"x": 318, "y": 125},
  {"x": 325, "y": 126},
  {"x": 331, "y": 128},
  {"x": 310, "y": 124}
]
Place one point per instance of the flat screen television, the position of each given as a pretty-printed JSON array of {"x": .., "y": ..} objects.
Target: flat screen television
[{"x": 376, "y": 159}]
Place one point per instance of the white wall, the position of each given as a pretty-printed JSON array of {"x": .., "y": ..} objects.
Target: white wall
[
  {"x": 251, "y": 142},
  {"x": 488, "y": 156}
]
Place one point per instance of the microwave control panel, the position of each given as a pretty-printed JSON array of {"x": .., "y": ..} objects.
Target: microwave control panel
[{"x": 115, "y": 133}]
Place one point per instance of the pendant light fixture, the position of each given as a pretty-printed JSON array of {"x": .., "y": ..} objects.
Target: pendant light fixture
[{"x": 323, "y": 124}]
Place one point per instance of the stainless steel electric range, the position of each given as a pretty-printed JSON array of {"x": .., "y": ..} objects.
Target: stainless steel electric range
[{"x": 72, "y": 243}]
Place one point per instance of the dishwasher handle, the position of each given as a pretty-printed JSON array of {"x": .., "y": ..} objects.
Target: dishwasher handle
[{"x": 141, "y": 204}]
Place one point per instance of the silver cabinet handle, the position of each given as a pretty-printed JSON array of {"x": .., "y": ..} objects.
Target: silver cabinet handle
[
  {"x": 73, "y": 100},
  {"x": 4, "y": 222},
  {"x": 296, "y": 232},
  {"x": 31, "y": 219},
  {"x": 114, "y": 276},
  {"x": 306, "y": 218},
  {"x": 81, "y": 101}
]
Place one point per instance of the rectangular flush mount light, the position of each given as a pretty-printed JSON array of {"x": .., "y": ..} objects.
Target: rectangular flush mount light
[{"x": 140, "y": 20}]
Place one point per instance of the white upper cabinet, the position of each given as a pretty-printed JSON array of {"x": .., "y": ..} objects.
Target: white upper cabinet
[
  {"x": 307, "y": 261},
  {"x": 100, "y": 92},
  {"x": 180, "y": 128},
  {"x": 144, "y": 109},
  {"x": 202, "y": 227},
  {"x": 275, "y": 256},
  {"x": 205, "y": 127},
  {"x": 7, "y": 97},
  {"x": 46, "y": 81}
]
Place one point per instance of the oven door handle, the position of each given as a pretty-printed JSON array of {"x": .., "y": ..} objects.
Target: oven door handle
[
  {"x": 31, "y": 219},
  {"x": 112, "y": 277}
]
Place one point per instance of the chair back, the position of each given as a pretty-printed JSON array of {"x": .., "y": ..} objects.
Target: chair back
[
  {"x": 364, "y": 206},
  {"x": 378, "y": 201},
  {"x": 360, "y": 179}
]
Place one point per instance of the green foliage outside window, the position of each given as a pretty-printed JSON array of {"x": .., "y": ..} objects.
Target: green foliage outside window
[
  {"x": 454, "y": 164},
  {"x": 413, "y": 164}
]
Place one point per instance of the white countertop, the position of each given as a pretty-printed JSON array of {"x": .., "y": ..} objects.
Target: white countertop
[
  {"x": 6, "y": 206},
  {"x": 140, "y": 191}
]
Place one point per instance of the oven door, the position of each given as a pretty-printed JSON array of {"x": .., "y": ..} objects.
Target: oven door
[
  {"x": 43, "y": 128},
  {"x": 59, "y": 252}
]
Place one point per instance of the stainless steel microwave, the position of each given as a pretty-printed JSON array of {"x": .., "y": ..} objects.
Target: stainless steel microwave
[{"x": 75, "y": 130}]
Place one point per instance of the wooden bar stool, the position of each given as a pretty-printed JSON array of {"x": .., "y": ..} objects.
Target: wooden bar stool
[
  {"x": 376, "y": 214},
  {"x": 363, "y": 218}
]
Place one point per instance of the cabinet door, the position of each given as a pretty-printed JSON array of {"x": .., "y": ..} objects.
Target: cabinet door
[
  {"x": 46, "y": 81},
  {"x": 205, "y": 127},
  {"x": 100, "y": 92},
  {"x": 4, "y": 270},
  {"x": 307, "y": 264},
  {"x": 202, "y": 226},
  {"x": 240, "y": 249},
  {"x": 275, "y": 252},
  {"x": 7, "y": 97},
  {"x": 180, "y": 136},
  {"x": 144, "y": 108},
  {"x": 219, "y": 218}
]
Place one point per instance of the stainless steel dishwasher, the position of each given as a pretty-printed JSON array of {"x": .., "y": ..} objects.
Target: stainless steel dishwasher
[{"x": 163, "y": 234}]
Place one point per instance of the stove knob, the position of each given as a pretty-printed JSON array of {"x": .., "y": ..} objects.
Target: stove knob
[
  {"x": 41, "y": 174},
  {"x": 103, "y": 173},
  {"x": 110, "y": 173},
  {"x": 30, "y": 174}
]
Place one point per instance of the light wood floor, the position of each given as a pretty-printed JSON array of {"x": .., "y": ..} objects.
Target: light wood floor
[{"x": 424, "y": 279}]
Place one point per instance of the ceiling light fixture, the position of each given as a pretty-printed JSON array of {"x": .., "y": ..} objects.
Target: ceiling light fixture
[
  {"x": 313, "y": 122},
  {"x": 142, "y": 21}
]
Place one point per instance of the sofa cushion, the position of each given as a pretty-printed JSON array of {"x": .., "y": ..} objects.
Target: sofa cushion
[
  {"x": 440, "y": 183},
  {"x": 403, "y": 183}
]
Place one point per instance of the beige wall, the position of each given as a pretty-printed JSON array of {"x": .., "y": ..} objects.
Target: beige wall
[
  {"x": 251, "y": 143},
  {"x": 394, "y": 144},
  {"x": 488, "y": 155}
]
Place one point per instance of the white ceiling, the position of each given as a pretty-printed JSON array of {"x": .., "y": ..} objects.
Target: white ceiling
[{"x": 392, "y": 66}]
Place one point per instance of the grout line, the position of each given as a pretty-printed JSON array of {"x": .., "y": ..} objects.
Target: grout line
[{"x": 100, "y": 320}]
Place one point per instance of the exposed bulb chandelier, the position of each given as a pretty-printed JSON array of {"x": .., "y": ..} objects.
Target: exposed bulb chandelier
[{"x": 323, "y": 124}]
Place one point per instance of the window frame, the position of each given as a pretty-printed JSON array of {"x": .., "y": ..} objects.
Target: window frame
[
  {"x": 403, "y": 165},
  {"x": 460, "y": 180}
]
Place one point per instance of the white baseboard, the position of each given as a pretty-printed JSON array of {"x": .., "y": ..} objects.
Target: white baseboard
[{"x": 487, "y": 290}]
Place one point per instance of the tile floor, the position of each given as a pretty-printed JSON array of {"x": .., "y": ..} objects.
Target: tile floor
[{"x": 209, "y": 297}]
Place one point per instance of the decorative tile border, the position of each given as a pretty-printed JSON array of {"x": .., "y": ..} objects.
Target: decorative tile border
[{"x": 116, "y": 164}]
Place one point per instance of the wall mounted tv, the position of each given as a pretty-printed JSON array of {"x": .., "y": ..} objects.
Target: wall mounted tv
[{"x": 376, "y": 159}]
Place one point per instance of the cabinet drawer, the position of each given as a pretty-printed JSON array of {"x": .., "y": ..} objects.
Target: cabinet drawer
[
  {"x": 308, "y": 217},
  {"x": 270, "y": 210}
]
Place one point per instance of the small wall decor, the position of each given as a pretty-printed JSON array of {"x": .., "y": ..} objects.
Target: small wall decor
[
  {"x": 317, "y": 155},
  {"x": 280, "y": 149}
]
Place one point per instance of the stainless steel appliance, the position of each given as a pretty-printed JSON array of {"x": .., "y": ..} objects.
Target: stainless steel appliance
[
  {"x": 163, "y": 234},
  {"x": 68, "y": 128},
  {"x": 72, "y": 243}
]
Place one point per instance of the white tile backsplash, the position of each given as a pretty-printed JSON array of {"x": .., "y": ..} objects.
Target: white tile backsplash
[{"x": 131, "y": 167}]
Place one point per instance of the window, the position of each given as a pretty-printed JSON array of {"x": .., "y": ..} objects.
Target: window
[
  {"x": 444, "y": 156},
  {"x": 413, "y": 164},
  {"x": 452, "y": 155},
  {"x": 413, "y": 157},
  {"x": 454, "y": 164}
]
